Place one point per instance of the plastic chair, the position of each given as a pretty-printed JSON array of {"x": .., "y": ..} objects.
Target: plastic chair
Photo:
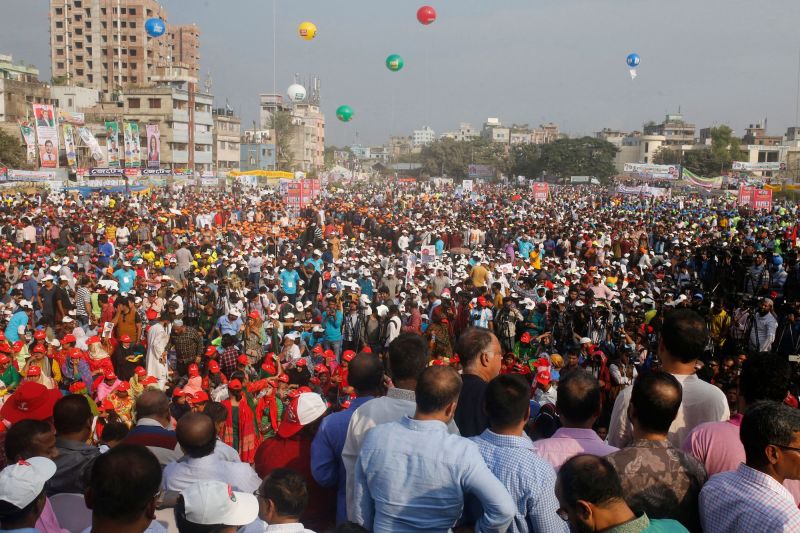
[{"x": 71, "y": 511}]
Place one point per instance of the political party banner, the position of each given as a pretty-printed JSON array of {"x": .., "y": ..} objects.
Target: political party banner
[
  {"x": 427, "y": 254},
  {"x": 29, "y": 136},
  {"x": 156, "y": 172},
  {"x": 133, "y": 151},
  {"x": 106, "y": 172},
  {"x": 698, "y": 181},
  {"x": 89, "y": 140},
  {"x": 643, "y": 190},
  {"x": 650, "y": 171},
  {"x": 480, "y": 171},
  {"x": 31, "y": 175},
  {"x": 112, "y": 143},
  {"x": 745, "y": 197},
  {"x": 47, "y": 135},
  {"x": 540, "y": 191},
  {"x": 762, "y": 199},
  {"x": 153, "y": 146},
  {"x": 69, "y": 145},
  {"x": 68, "y": 117},
  {"x": 466, "y": 185},
  {"x": 758, "y": 167}
]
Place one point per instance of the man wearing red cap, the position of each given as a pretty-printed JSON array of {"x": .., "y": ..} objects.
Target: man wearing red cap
[
  {"x": 8, "y": 374},
  {"x": 240, "y": 431}
]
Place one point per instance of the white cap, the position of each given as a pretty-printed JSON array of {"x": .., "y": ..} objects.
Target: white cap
[
  {"x": 382, "y": 310},
  {"x": 47, "y": 278},
  {"x": 25, "y": 303},
  {"x": 234, "y": 312},
  {"x": 585, "y": 340},
  {"x": 215, "y": 502},
  {"x": 22, "y": 482},
  {"x": 67, "y": 319}
]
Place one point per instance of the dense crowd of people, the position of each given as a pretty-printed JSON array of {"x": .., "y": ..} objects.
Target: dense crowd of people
[{"x": 400, "y": 359}]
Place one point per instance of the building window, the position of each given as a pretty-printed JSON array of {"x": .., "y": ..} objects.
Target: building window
[
  {"x": 132, "y": 53},
  {"x": 132, "y": 25},
  {"x": 59, "y": 24},
  {"x": 134, "y": 79},
  {"x": 59, "y": 51},
  {"x": 646, "y": 147},
  {"x": 69, "y": 103},
  {"x": 59, "y": 65},
  {"x": 134, "y": 103},
  {"x": 90, "y": 78},
  {"x": 59, "y": 38},
  {"x": 132, "y": 10},
  {"x": 59, "y": 11},
  {"x": 155, "y": 103},
  {"x": 133, "y": 38}
]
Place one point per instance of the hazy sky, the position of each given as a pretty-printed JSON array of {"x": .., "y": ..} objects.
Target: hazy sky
[{"x": 523, "y": 61}]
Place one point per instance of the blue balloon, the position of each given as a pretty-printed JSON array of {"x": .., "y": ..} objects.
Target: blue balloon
[
  {"x": 633, "y": 60},
  {"x": 155, "y": 27}
]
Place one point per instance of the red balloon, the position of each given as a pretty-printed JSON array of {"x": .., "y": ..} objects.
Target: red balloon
[{"x": 426, "y": 15}]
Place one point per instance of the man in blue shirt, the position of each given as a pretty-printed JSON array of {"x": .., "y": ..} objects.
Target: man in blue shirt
[
  {"x": 510, "y": 455},
  {"x": 230, "y": 324},
  {"x": 106, "y": 250},
  {"x": 125, "y": 277},
  {"x": 19, "y": 318},
  {"x": 332, "y": 322},
  {"x": 289, "y": 279},
  {"x": 365, "y": 375},
  {"x": 365, "y": 284},
  {"x": 412, "y": 475}
]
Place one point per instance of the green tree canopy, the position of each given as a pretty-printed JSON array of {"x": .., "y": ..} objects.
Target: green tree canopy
[{"x": 12, "y": 153}]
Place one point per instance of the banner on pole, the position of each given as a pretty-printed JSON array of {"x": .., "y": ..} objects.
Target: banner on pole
[
  {"x": 540, "y": 191},
  {"x": 29, "y": 136},
  {"x": 133, "y": 151},
  {"x": 153, "y": 146},
  {"x": 112, "y": 143},
  {"x": 89, "y": 140},
  {"x": 69, "y": 145},
  {"x": 47, "y": 135}
]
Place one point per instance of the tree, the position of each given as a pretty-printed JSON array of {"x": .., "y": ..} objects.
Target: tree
[
  {"x": 281, "y": 123},
  {"x": 12, "y": 153},
  {"x": 718, "y": 159},
  {"x": 668, "y": 156},
  {"x": 585, "y": 156}
]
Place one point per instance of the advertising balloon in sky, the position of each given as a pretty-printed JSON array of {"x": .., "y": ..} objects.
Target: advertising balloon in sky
[
  {"x": 426, "y": 15},
  {"x": 394, "y": 62},
  {"x": 155, "y": 27},
  {"x": 633, "y": 61},
  {"x": 307, "y": 30},
  {"x": 296, "y": 92},
  {"x": 344, "y": 113}
]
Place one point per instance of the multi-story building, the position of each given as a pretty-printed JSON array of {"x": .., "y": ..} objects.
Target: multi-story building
[
  {"x": 494, "y": 131},
  {"x": 227, "y": 139},
  {"x": 257, "y": 155},
  {"x": 182, "y": 113},
  {"x": 184, "y": 42},
  {"x": 73, "y": 98},
  {"x": 103, "y": 44},
  {"x": 399, "y": 145},
  {"x": 465, "y": 132},
  {"x": 17, "y": 72},
  {"x": 675, "y": 130},
  {"x": 423, "y": 137},
  {"x": 756, "y": 134}
]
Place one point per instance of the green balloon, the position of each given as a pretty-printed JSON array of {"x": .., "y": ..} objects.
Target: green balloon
[
  {"x": 344, "y": 113},
  {"x": 394, "y": 62}
]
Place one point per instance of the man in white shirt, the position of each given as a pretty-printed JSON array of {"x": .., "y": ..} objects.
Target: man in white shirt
[
  {"x": 408, "y": 357},
  {"x": 683, "y": 338},
  {"x": 196, "y": 435}
]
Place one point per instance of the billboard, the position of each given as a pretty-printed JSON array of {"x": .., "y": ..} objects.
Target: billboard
[
  {"x": 153, "y": 146},
  {"x": 69, "y": 145},
  {"x": 758, "y": 199},
  {"x": 47, "y": 135},
  {"x": 466, "y": 185},
  {"x": 480, "y": 171},
  {"x": 651, "y": 171},
  {"x": 29, "y": 136},
  {"x": 758, "y": 167},
  {"x": 133, "y": 151},
  {"x": 112, "y": 143}
]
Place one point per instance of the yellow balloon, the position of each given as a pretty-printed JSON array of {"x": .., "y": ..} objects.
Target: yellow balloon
[{"x": 307, "y": 30}]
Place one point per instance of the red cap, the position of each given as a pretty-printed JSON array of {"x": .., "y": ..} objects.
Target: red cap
[
  {"x": 17, "y": 346},
  {"x": 4, "y": 347},
  {"x": 283, "y": 378},
  {"x": 32, "y": 401},
  {"x": 39, "y": 348},
  {"x": 39, "y": 334},
  {"x": 140, "y": 371},
  {"x": 177, "y": 392},
  {"x": 254, "y": 315},
  {"x": 194, "y": 371},
  {"x": 199, "y": 397},
  {"x": 317, "y": 349},
  {"x": 321, "y": 369},
  {"x": 123, "y": 386},
  {"x": 366, "y": 349},
  {"x": 482, "y": 301},
  {"x": 76, "y": 353},
  {"x": 235, "y": 384},
  {"x": 109, "y": 374},
  {"x": 301, "y": 362},
  {"x": 543, "y": 377},
  {"x": 125, "y": 338},
  {"x": 242, "y": 359},
  {"x": 151, "y": 314},
  {"x": 268, "y": 366},
  {"x": 213, "y": 367},
  {"x": 33, "y": 371},
  {"x": 77, "y": 387},
  {"x": 69, "y": 338},
  {"x": 148, "y": 380},
  {"x": 211, "y": 350},
  {"x": 329, "y": 354},
  {"x": 94, "y": 339},
  {"x": 106, "y": 406},
  {"x": 542, "y": 361},
  {"x": 348, "y": 356},
  {"x": 4, "y": 359},
  {"x": 525, "y": 338}
]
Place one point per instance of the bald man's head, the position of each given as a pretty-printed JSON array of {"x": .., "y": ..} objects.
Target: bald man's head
[
  {"x": 437, "y": 387},
  {"x": 153, "y": 404},
  {"x": 195, "y": 432}
]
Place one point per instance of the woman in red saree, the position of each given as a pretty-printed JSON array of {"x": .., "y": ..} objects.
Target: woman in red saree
[{"x": 241, "y": 432}]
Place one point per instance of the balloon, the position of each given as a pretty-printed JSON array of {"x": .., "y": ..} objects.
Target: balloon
[
  {"x": 633, "y": 60},
  {"x": 155, "y": 27},
  {"x": 296, "y": 92},
  {"x": 344, "y": 113},
  {"x": 394, "y": 62},
  {"x": 307, "y": 30},
  {"x": 426, "y": 15}
]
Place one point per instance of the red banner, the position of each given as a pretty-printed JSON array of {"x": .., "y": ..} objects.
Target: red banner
[
  {"x": 540, "y": 192},
  {"x": 300, "y": 193},
  {"x": 758, "y": 199}
]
